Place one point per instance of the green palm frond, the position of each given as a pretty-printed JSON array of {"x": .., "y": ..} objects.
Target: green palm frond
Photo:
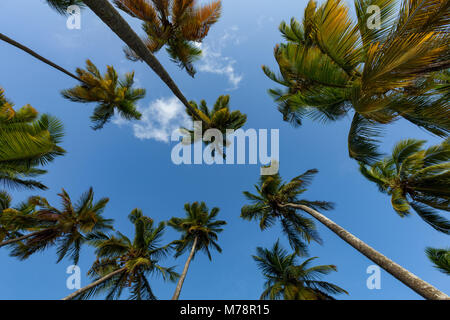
[
  {"x": 139, "y": 257},
  {"x": 331, "y": 65},
  {"x": 440, "y": 259},
  {"x": 416, "y": 177},
  {"x": 112, "y": 95},
  {"x": 269, "y": 206},
  {"x": 285, "y": 279},
  {"x": 198, "y": 224},
  {"x": 27, "y": 141}
]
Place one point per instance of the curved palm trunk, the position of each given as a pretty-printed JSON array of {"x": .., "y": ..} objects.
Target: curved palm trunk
[
  {"x": 94, "y": 284},
  {"x": 421, "y": 287},
  {"x": 37, "y": 56},
  {"x": 109, "y": 15},
  {"x": 176, "y": 295},
  {"x": 11, "y": 241}
]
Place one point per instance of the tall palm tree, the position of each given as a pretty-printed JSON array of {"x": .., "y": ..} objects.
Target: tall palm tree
[
  {"x": 68, "y": 228},
  {"x": 285, "y": 279},
  {"x": 122, "y": 263},
  {"x": 199, "y": 232},
  {"x": 332, "y": 66},
  {"x": 415, "y": 178},
  {"x": 440, "y": 259},
  {"x": 27, "y": 141},
  {"x": 112, "y": 94},
  {"x": 272, "y": 202},
  {"x": 270, "y": 192},
  {"x": 219, "y": 117},
  {"x": 109, "y": 15},
  {"x": 177, "y": 24}
]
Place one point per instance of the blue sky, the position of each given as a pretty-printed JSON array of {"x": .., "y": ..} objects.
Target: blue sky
[{"x": 132, "y": 165}]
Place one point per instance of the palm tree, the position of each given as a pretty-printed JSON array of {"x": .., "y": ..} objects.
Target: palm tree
[
  {"x": 112, "y": 94},
  {"x": 27, "y": 141},
  {"x": 199, "y": 232},
  {"x": 440, "y": 259},
  {"x": 271, "y": 202},
  {"x": 122, "y": 263},
  {"x": 271, "y": 191},
  {"x": 219, "y": 118},
  {"x": 109, "y": 15},
  {"x": 285, "y": 279},
  {"x": 415, "y": 178},
  {"x": 331, "y": 66},
  {"x": 68, "y": 228},
  {"x": 8, "y": 214},
  {"x": 177, "y": 24}
]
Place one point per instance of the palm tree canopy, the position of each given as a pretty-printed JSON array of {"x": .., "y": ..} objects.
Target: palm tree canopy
[
  {"x": 331, "y": 65},
  {"x": 285, "y": 279},
  {"x": 440, "y": 259},
  {"x": 177, "y": 24},
  {"x": 68, "y": 228},
  {"x": 112, "y": 94},
  {"x": 417, "y": 178},
  {"x": 14, "y": 220},
  {"x": 199, "y": 223},
  {"x": 61, "y": 6},
  {"x": 140, "y": 257},
  {"x": 27, "y": 141},
  {"x": 219, "y": 117},
  {"x": 269, "y": 205}
]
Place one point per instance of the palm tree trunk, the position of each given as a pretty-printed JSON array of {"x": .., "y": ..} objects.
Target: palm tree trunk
[
  {"x": 93, "y": 284},
  {"x": 421, "y": 287},
  {"x": 176, "y": 295},
  {"x": 10, "y": 241},
  {"x": 109, "y": 15},
  {"x": 37, "y": 56}
]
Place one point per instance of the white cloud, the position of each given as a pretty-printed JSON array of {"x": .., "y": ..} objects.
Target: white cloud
[
  {"x": 213, "y": 61},
  {"x": 159, "y": 120}
]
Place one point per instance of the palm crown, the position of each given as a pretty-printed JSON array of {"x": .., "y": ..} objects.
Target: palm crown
[
  {"x": 177, "y": 24},
  {"x": 416, "y": 178},
  {"x": 111, "y": 93},
  {"x": 27, "y": 141},
  {"x": 285, "y": 279},
  {"x": 68, "y": 228},
  {"x": 61, "y": 6},
  {"x": 200, "y": 224},
  {"x": 219, "y": 117},
  {"x": 269, "y": 205},
  {"x": 138, "y": 259},
  {"x": 13, "y": 220},
  {"x": 331, "y": 65}
]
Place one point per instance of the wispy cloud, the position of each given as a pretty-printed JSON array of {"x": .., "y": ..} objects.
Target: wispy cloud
[
  {"x": 159, "y": 120},
  {"x": 213, "y": 60}
]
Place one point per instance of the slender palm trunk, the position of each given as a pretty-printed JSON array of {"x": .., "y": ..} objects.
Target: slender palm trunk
[
  {"x": 421, "y": 287},
  {"x": 176, "y": 295},
  {"x": 37, "y": 56},
  {"x": 109, "y": 15},
  {"x": 11, "y": 241},
  {"x": 94, "y": 284}
]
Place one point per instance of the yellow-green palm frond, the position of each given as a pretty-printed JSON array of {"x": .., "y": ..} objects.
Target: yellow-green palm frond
[
  {"x": 416, "y": 178},
  {"x": 111, "y": 93}
]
